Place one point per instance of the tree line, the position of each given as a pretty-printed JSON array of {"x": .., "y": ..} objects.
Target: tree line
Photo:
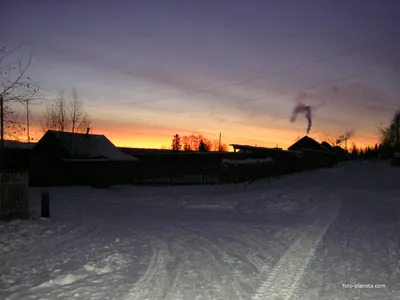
[
  {"x": 196, "y": 143},
  {"x": 389, "y": 141},
  {"x": 369, "y": 152}
]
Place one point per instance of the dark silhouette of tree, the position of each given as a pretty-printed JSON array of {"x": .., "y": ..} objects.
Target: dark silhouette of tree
[
  {"x": 66, "y": 115},
  {"x": 390, "y": 135},
  {"x": 193, "y": 142},
  {"x": 368, "y": 153},
  {"x": 330, "y": 139},
  {"x": 176, "y": 143},
  {"x": 354, "y": 152},
  {"x": 207, "y": 143},
  {"x": 16, "y": 89},
  {"x": 385, "y": 149},
  {"x": 203, "y": 147}
]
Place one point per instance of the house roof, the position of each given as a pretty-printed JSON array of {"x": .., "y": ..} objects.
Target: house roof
[
  {"x": 18, "y": 145},
  {"x": 80, "y": 145},
  {"x": 307, "y": 143},
  {"x": 327, "y": 145},
  {"x": 248, "y": 147},
  {"x": 339, "y": 149}
]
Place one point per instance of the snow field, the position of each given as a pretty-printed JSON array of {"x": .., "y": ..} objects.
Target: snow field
[{"x": 298, "y": 237}]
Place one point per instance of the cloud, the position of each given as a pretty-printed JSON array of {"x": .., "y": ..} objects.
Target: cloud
[{"x": 355, "y": 97}]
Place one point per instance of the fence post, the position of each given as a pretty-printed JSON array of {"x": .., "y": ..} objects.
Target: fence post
[
  {"x": 45, "y": 204},
  {"x": 2, "y": 199},
  {"x": 26, "y": 209}
]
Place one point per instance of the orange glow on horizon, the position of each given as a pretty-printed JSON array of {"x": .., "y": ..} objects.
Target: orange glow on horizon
[{"x": 152, "y": 138}]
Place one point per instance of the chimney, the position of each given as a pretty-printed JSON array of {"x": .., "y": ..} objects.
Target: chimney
[{"x": 87, "y": 131}]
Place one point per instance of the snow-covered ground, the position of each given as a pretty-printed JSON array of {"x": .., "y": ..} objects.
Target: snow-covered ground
[{"x": 311, "y": 235}]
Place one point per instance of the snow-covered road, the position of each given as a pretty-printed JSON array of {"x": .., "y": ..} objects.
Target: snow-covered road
[{"x": 313, "y": 235}]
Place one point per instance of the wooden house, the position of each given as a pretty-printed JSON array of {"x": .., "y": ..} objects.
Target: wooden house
[
  {"x": 64, "y": 158},
  {"x": 314, "y": 155}
]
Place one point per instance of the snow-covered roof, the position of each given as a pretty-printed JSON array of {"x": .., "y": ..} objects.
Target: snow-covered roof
[{"x": 90, "y": 146}]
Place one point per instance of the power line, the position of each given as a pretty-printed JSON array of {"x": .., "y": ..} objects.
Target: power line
[
  {"x": 260, "y": 98},
  {"x": 317, "y": 61}
]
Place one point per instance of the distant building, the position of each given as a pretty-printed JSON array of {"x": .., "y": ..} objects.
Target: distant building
[
  {"x": 327, "y": 146},
  {"x": 78, "y": 146},
  {"x": 314, "y": 154},
  {"x": 250, "y": 149},
  {"x": 307, "y": 143},
  {"x": 64, "y": 158},
  {"x": 341, "y": 153},
  {"x": 18, "y": 145},
  {"x": 284, "y": 161}
]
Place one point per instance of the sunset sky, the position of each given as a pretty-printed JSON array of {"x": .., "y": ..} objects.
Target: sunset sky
[{"x": 149, "y": 69}]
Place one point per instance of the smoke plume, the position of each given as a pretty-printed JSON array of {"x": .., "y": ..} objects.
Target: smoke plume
[
  {"x": 302, "y": 109},
  {"x": 345, "y": 136}
]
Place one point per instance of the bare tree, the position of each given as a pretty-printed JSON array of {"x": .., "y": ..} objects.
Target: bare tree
[
  {"x": 15, "y": 89},
  {"x": 78, "y": 118},
  {"x": 216, "y": 146},
  {"x": 224, "y": 147},
  {"x": 330, "y": 139},
  {"x": 66, "y": 115}
]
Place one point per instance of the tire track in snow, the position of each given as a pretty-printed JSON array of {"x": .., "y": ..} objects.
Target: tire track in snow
[
  {"x": 225, "y": 258},
  {"x": 183, "y": 237},
  {"x": 173, "y": 292},
  {"x": 392, "y": 244},
  {"x": 155, "y": 281},
  {"x": 287, "y": 273},
  {"x": 162, "y": 282},
  {"x": 179, "y": 262},
  {"x": 144, "y": 283}
]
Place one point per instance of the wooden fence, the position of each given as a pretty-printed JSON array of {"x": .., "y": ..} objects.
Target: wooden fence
[
  {"x": 185, "y": 179},
  {"x": 14, "y": 201}
]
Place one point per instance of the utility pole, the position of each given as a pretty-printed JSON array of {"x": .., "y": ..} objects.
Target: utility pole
[
  {"x": 219, "y": 143},
  {"x": 27, "y": 120}
]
